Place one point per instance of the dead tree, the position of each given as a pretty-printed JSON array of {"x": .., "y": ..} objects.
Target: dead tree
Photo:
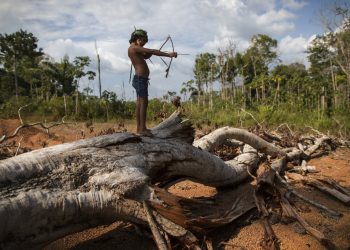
[{"x": 49, "y": 193}]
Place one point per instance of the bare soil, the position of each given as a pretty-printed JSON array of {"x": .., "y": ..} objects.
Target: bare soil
[{"x": 244, "y": 233}]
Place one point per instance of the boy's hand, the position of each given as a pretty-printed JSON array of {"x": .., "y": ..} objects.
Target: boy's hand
[{"x": 173, "y": 54}]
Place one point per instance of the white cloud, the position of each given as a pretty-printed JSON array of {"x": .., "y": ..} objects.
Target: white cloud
[
  {"x": 58, "y": 48},
  {"x": 294, "y": 4},
  {"x": 293, "y": 49},
  {"x": 273, "y": 16},
  {"x": 260, "y": 6}
]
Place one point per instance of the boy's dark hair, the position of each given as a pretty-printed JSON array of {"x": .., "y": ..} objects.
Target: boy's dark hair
[{"x": 138, "y": 33}]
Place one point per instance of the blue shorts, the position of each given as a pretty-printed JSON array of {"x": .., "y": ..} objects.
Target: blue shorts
[{"x": 140, "y": 84}]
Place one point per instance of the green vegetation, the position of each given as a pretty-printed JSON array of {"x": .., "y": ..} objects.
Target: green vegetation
[{"x": 253, "y": 83}]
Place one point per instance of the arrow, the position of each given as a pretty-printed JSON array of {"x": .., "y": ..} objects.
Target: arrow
[{"x": 179, "y": 54}]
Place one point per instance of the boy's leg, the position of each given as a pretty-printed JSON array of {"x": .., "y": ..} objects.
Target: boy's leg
[
  {"x": 138, "y": 106},
  {"x": 143, "y": 116}
]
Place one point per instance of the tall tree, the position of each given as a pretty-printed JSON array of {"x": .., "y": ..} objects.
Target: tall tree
[
  {"x": 80, "y": 63},
  {"x": 336, "y": 19},
  {"x": 227, "y": 69},
  {"x": 66, "y": 75},
  {"x": 289, "y": 83},
  {"x": 241, "y": 65},
  {"x": 340, "y": 41},
  {"x": 322, "y": 57},
  {"x": 62, "y": 74},
  {"x": 260, "y": 54},
  {"x": 98, "y": 70},
  {"x": 203, "y": 71},
  {"x": 187, "y": 88},
  {"x": 16, "y": 47}
]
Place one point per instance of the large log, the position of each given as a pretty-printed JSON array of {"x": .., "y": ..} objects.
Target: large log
[{"x": 51, "y": 192}]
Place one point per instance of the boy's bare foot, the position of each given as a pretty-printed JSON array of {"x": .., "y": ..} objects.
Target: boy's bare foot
[{"x": 146, "y": 132}]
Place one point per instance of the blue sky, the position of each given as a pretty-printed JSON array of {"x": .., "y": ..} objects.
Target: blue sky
[{"x": 196, "y": 26}]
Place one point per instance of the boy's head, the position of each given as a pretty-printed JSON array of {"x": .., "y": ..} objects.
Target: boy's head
[{"x": 137, "y": 34}]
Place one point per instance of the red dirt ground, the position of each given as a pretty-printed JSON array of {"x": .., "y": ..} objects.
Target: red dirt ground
[{"x": 244, "y": 233}]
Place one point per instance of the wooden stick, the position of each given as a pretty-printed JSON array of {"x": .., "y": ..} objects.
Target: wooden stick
[
  {"x": 312, "y": 231},
  {"x": 209, "y": 244},
  {"x": 314, "y": 203},
  {"x": 335, "y": 193},
  {"x": 317, "y": 144},
  {"x": 167, "y": 239},
  {"x": 336, "y": 185},
  {"x": 19, "y": 112},
  {"x": 19, "y": 145},
  {"x": 257, "y": 123},
  {"x": 270, "y": 240},
  {"x": 318, "y": 205},
  {"x": 155, "y": 231},
  {"x": 285, "y": 124}
]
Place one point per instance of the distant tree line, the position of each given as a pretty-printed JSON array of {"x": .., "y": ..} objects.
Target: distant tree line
[
  {"x": 256, "y": 76},
  {"x": 27, "y": 74},
  {"x": 255, "y": 79}
]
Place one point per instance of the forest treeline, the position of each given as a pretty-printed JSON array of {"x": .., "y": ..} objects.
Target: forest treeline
[
  {"x": 30, "y": 76},
  {"x": 254, "y": 84}
]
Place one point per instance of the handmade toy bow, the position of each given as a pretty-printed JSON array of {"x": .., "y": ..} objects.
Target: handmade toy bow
[{"x": 171, "y": 59}]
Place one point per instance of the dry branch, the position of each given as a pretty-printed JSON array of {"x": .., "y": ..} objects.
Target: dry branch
[
  {"x": 302, "y": 197},
  {"x": 216, "y": 138},
  {"x": 317, "y": 234},
  {"x": 155, "y": 231},
  {"x": 341, "y": 194},
  {"x": 333, "y": 192},
  {"x": 25, "y": 125}
]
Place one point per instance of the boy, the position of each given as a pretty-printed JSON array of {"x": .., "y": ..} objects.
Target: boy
[{"x": 138, "y": 55}]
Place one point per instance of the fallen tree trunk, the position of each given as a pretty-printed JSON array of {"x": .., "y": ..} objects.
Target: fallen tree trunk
[{"x": 51, "y": 192}]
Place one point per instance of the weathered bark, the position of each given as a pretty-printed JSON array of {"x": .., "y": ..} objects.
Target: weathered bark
[{"x": 51, "y": 192}]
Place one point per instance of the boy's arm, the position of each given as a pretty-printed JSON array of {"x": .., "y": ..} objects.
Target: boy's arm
[
  {"x": 147, "y": 55},
  {"x": 149, "y": 52}
]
